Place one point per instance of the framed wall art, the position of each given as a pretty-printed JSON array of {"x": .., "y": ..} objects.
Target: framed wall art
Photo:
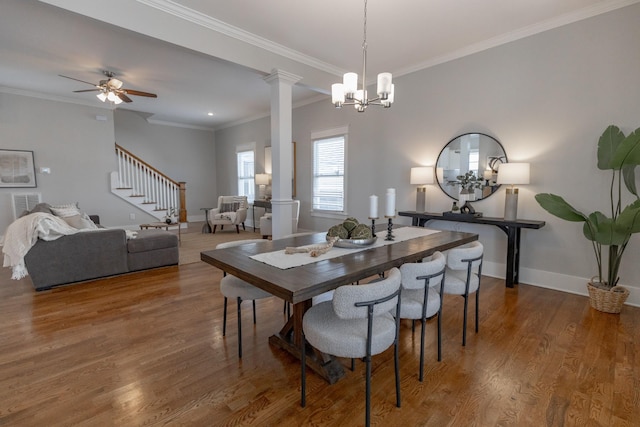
[{"x": 17, "y": 169}]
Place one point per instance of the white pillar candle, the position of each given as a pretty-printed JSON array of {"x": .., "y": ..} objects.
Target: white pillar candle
[
  {"x": 373, "y": 206},
  {"x": 390, "y": 208}
]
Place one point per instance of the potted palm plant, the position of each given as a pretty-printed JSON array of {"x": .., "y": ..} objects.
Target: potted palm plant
[{"x": 608, "y": 234}]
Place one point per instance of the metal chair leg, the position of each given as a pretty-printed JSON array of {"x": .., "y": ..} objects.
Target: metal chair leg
[
  {"x": 397, "y": 369},
  {"x": 239, "y": 329},
  {"x": 254, "y": 311},
  {"x": 422, "y": 328},
  {"x": 440, "y": 335},
  {"x": 368, "y": 393},
  {"x": 303, "y": 374},
  {"x": 477, "y": 306},
  {"x": 224, "y": 318},
  {"x": 464, "y": 322}
]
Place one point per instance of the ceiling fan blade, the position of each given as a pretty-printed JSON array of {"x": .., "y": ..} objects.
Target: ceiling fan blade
[
  {"x": 86, "y": 90},
  {"x": 124, "y": 97},
  {"x": 139, "y": 93},
  {"x": 78, "y": 80}
]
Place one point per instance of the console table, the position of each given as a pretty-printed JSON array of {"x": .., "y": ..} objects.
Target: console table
[
  {"x": 261, "y": 203},
  {"x": 511, "y": 229}
]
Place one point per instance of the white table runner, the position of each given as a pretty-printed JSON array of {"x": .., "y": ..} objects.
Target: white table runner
[{"x": 284, "y": 261}]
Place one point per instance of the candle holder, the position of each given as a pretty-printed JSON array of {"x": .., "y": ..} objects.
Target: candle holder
[
  {"x": 390, "y": 235},
  {"x": 373, "y": 226}
]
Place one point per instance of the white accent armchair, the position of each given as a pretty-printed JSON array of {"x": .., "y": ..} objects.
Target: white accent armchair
[
  {"x": 231, "y": 210},
  {"x": 266, "y": 221}
]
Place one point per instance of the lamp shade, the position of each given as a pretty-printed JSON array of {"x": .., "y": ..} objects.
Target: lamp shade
[
  {"x": 262, "y": 179},
  {"x": 422, "y": 175},
  {"x": 513, "y": 173}
]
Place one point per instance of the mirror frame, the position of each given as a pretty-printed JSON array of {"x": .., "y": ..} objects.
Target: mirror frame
[{"x": 493, "y": 163}]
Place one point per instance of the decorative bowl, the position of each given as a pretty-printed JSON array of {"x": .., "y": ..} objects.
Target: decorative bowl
[{"x": 354, "y": 243}]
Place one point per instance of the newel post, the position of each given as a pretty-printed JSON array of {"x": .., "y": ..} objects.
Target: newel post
[{"x": 183, "y": 201}]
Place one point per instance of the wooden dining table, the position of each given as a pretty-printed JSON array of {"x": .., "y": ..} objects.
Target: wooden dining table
[{"x": 298, "y": 285}]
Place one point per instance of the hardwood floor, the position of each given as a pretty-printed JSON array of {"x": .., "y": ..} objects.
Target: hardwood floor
[{"x": 147, "y": 349}]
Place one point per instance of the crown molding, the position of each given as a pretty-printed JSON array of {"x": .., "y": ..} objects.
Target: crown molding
[
  {"x": 195, "y": 17},
  {"x": 153, "y": 121},
  {"x": 521, "y": 33},
  {"x": 50, "y": 97},
  {"x": 307, "y": 101}
]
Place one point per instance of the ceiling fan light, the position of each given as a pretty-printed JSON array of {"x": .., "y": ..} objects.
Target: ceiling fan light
[
  {"x": 112, "y": 97},
  {"x": 117, "y": 101},
  {"x": 115, "y": 83},
  {"x": 102, "y": 96}
]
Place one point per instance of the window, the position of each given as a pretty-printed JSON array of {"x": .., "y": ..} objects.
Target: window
[
  {"x": 474, "y": 161},
  {"x": 329, "y": 162},
  {"x": 246, "y": 185}
]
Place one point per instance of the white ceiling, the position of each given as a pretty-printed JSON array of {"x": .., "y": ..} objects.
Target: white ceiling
[{"x": 189, "y": 51}]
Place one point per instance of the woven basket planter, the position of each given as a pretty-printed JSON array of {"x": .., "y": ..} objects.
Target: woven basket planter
[{"x": 607, "y": 300}]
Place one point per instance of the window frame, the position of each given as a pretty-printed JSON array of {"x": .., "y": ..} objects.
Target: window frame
[
  {"x": 327, "y": 134},
  {"x": 249, "y": 178}
]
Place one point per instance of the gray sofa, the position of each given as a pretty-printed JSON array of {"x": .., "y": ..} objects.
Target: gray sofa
[{"x": 98, "y": 253}]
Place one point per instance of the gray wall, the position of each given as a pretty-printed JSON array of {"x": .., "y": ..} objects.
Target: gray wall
[
  {"x": 547, "y": 98},
  {"x": 80, "y": 152},
  {"x": 68, "y": 139}
]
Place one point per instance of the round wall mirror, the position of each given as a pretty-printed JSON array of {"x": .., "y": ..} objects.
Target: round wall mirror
[{"x": 467, "y": 167}]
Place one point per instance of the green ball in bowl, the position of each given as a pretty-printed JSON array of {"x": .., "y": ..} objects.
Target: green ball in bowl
[
  {"x": 361, "y": 231},
  {"x": 350, "y": 224},
  {"x": 338, "y": 231}
]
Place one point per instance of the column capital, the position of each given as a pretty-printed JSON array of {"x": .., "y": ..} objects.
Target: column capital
[{"x": 282, "y": 76}]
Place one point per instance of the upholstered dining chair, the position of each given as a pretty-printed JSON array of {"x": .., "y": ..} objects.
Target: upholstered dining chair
[
  {"x": 462, "y": 277},
  {"x": 238, "y": 289},
  {"x": 422, "y": 286},
  {"x": 357, "y": 323}
]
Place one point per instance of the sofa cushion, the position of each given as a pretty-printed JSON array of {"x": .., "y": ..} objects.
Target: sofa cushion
[
  {"x": 151, "y": 240},
  {"x": 40, "y": 207},
  {"x": 64, "y": 211},
  {"x": 81, "y": 222}
]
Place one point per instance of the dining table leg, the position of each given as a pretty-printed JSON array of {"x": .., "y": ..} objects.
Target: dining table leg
[{"x": 290, "y": 339}]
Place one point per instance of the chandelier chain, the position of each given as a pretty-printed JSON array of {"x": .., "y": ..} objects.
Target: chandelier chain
[{"x": 364, "y": 43}]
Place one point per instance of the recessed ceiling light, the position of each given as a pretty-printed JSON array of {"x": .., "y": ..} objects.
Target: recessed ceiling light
[{"x": 209, "y": 114}]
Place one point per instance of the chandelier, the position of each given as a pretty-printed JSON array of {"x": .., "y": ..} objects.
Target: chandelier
[{"x": 347, "y": 92}]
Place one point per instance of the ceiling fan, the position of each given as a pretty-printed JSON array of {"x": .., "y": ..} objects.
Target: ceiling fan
[{"x": 111, "y": 89}]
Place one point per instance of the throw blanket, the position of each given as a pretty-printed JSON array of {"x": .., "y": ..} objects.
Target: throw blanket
[{"x": 24, "y": 232}]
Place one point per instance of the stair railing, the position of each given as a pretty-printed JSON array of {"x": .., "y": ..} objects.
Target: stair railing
[{"x": 150, "y": 184}]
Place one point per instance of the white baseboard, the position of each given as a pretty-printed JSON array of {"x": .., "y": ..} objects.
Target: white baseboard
[{"x": 555, "y": 281}]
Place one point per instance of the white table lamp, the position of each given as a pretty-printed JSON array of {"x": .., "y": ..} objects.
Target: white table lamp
[
  {"x": 512, "y": 174},
  {"x": 422, "y": 176},
  {"x": 262, "y": 180}
]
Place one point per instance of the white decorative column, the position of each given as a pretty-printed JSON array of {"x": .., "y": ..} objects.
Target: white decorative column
[{"x": 281, "y": 151}]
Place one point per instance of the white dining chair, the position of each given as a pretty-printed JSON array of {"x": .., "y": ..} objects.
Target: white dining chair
[
  {"x": 462, "y": 277},
  {"x": 357, "y": 323},
  {"x": 238, "y": 289},
  {"x": 422, "y": 286}
]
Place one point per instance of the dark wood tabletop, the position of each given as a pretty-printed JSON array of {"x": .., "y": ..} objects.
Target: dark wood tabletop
[{"x": 304, "y": 282}]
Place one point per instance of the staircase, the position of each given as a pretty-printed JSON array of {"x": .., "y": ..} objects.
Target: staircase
[{"x": 146, "y": 188}]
